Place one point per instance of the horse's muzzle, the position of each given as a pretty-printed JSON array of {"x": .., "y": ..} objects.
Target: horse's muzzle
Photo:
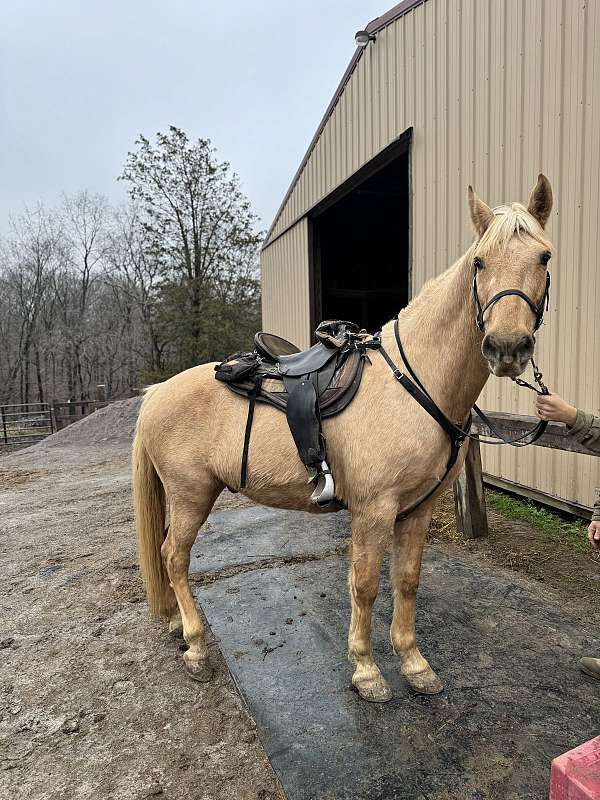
[{"x": 507, "y": 357}]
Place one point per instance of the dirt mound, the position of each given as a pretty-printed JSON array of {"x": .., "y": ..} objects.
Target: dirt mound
[{"x": 114, "y": 424}]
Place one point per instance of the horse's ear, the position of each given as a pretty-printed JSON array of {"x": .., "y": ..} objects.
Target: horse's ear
[
  {"x": 540, "y": 200},
  {"x": 481, "y": 214}
]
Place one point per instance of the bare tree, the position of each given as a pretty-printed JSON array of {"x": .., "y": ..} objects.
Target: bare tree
[
  {"x": 31, "y": 258},
  {"x": 84, "y": 219},
  {"x": 90, "y": 294},
  {"x": 135, "y": 277},
  {"x": 200, "y": 227}
]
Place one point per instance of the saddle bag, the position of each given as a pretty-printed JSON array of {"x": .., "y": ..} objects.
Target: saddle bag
[{"x": 238, "y": 368}]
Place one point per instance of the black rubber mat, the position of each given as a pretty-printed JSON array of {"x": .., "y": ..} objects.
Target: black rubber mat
[
  {"x": 508, "y": 656},
  {"x": 249, "y": 535}
]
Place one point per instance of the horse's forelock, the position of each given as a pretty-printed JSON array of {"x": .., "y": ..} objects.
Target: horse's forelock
[{"x": 509, "y": 221}]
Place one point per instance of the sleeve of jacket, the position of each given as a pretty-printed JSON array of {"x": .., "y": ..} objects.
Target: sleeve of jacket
[{"x": 587, "y": 431}]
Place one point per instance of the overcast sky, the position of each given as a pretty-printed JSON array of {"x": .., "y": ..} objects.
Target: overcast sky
[{"x": 80, "y": 79}]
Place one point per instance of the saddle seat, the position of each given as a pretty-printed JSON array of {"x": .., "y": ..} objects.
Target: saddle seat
[
  {"x": 308, "y": 385},
  {"x": 271, "y": 347},
  {"x": 331, "y": 335},
  {"x": 305, "y": 362}
]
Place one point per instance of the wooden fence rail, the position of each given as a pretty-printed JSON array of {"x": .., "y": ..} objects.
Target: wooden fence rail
[
  {"x": 469, "y": 492},
  {"x": 71, "y": 411}
]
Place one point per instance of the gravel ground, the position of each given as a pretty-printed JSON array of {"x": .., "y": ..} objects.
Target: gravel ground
[{"x": 94, "y": 701}]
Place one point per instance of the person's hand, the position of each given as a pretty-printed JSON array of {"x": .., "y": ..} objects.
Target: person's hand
[
  {"x": 553, "y": 407},
  {"x": 594, "y": 534}
]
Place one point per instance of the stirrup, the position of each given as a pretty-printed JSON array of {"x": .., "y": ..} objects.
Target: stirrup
[{"x": 324, "y": 491}]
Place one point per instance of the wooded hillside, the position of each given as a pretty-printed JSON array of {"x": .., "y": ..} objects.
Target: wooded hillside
[{"x": 92, "y": 294}]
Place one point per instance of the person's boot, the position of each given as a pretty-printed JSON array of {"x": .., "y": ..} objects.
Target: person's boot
[{"x": 591, "y": 667}]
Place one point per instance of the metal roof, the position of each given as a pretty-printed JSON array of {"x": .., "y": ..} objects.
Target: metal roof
[{"x": 375, "y": 25}]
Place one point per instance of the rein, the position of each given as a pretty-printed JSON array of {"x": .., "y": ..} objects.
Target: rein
[{"x": 456, "y": 433}]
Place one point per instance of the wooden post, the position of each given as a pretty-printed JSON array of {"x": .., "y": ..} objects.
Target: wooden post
[
  {"x": 48, "y": 409},
  {"x": 4, "y": 425},
  {"x": 469, "y": 496},
  {"x": 101, "y": 393}
]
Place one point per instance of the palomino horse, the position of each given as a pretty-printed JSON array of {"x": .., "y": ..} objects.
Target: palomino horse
[{"x": 384, "y": 449}]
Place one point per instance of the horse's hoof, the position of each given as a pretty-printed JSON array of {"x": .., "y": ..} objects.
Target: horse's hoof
[
  {"x": 373, "y": 690},
  {"x": 200, "y": 671},
  {"x": 425, "y": 682}
]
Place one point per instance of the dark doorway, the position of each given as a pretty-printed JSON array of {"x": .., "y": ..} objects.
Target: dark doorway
[{"x": 361, "y": 243}]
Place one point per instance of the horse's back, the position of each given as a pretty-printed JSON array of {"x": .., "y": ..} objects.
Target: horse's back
[
  {"x": 180, "y": 417},
  {"x": 192, "y": 424},
  {"x": 178, "y": 399}
]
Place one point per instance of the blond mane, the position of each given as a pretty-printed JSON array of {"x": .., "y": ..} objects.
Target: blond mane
[{"x": 511, "y": 220}]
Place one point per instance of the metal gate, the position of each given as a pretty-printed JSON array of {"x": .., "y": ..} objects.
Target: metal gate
[{"x": 22, "y": 425}]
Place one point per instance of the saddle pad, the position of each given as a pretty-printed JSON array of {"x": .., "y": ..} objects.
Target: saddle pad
[
  {"x": 273, "y": 386},
  {"x": 339, "y": 392}
]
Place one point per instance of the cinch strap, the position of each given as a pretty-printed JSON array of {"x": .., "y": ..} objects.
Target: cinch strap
[{"x": 252, "y": 397}]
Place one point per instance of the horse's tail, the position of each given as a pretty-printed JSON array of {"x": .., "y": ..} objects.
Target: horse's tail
[{"x": 149, "y": 507}]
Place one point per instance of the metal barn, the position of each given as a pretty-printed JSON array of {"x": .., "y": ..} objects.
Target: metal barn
[{"x": 447, "y": 93}]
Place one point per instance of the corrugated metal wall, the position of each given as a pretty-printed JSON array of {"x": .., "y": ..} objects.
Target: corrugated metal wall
[
  {"x": 285, "y": 286},
  {"x": 495, "y": 91}
]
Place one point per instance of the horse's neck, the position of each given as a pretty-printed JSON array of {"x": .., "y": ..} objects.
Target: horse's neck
[{"x": 442, "y": 343}]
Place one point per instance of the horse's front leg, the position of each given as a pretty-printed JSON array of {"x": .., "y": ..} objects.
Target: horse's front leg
[
  {"x": 371, "y": 534},
  {"x": 407, "y": 549}
]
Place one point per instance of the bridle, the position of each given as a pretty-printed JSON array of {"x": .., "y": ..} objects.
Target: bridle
[
  {"x": 456, "y": 433},
  {"x": 538, "y": 310}
]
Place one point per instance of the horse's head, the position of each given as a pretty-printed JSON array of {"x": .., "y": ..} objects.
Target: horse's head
[{"x": 510, "y": 276}]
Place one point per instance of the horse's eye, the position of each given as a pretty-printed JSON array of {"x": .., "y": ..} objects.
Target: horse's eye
[
  {"x": 478, "y": 263},
  {"x": 545, "y": 257}
]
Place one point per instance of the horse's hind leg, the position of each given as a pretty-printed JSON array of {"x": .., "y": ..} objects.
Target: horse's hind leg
[
  {"x": 407, "y": 550},
  {"x": 185, "y": 521},
  {"x": 371, "y": 532}
]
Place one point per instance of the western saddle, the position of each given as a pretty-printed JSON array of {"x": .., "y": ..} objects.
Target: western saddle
[{"x": 309, "y": 385}]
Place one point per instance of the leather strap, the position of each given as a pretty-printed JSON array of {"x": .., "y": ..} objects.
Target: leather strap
[
  {"x": 519, "y": 441},
  {"x": 252, "y": 398},
  {"x": 538, "y": 310},
  {"x": 456, "y": 434},
  {"x": 405, "y": 360},
  {"x": 423, "y": 398}
]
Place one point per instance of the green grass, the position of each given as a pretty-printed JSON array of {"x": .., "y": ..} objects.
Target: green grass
[{"x": 567, "y": 531}]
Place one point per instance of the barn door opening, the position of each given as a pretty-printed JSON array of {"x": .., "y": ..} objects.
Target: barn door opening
[{"x": 361, "y": 243}]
